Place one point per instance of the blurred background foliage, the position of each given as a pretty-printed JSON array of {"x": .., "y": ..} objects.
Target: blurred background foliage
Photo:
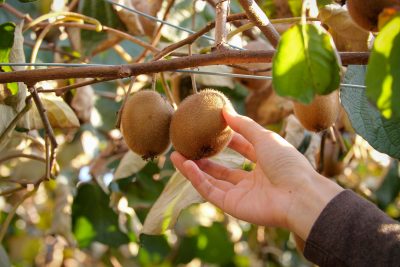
[{"x": 89, "y": 216}]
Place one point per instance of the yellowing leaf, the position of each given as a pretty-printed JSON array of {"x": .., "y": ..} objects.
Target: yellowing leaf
[
  {"x": 7, "y": 115},
  {"x": 177, "y": 195},
  {"x": 59, "y": 113},
  {"x": 130, "y": 164},
  {"x": 346, "y": 34}
]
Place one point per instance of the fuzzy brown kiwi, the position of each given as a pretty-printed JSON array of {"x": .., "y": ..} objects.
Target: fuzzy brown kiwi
[
  {"x": 366, "y": 12},
  {"x": 145, "y": 122},
  {"x": 198, "y": 128},
  {"x": 320, "y": 114}
]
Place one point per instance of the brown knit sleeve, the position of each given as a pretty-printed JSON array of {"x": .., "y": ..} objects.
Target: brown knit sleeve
[{"x": 351, "y": 231}]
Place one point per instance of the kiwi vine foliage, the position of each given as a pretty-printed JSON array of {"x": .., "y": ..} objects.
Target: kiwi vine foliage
[{"x": 92, "y": 212}]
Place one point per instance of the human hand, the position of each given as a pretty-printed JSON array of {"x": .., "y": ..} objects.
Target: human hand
[{"x": 283, "y": 190}]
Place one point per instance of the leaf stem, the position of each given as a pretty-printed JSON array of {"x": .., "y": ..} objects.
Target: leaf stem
[{"x": 11, "y": 214}]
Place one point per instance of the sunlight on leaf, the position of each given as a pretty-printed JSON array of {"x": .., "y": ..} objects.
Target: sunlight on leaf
[
  {"x": 381, "y": 133},
  {"x": 60, "y": 114},
  {"x": 306, "y": 63},
  {"x": 130, "y": 164},
  {"x": 383, "y": 75}
]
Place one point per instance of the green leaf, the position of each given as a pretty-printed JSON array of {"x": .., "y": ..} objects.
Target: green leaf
[
  {"x": 305, "y": 64},
  {"x": 322, "y": 3},
  {"x": 381, "y": 133},
  {"x": 94, "y": 220},
  {"x": 154, "y": 248},
  {"x": 383, "y": 72},
  {"x": 27, "y": 1},
  {"x": 6, "y": 42},
  {"x": 103, "y": 12},
  {"x": 214, "y": 245},
  {"x": 295, "y": 7},
  {"x": 390, "y": 187}
]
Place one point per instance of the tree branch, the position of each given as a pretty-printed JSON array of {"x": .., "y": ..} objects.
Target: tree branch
[
  {"x": 221, "y": 10},
  {"x": 47, "y": 126},
  {"x": 195, "y": 36},
  {"x": 124, "y": 71},
  {"x": 258, "y": 17}
]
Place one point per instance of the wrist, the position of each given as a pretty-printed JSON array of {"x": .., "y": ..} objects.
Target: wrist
[{"x": 308, "y": 203}]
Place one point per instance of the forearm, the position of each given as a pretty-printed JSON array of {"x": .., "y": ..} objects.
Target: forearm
[{"x": 309, "y": 202}]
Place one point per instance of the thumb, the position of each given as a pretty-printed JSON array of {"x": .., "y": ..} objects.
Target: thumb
[{"x": 243, "y": 125}]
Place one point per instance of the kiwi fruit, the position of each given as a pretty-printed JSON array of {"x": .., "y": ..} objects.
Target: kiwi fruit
[
  {"x": 320, "y": 114},
  {"x": 145, "y": 121},
  {"x": 198, "y": 128},
  {"x": 366, "y": 12}
]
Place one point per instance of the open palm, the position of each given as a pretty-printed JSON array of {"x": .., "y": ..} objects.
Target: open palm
[{"x": 262, "y": 196}]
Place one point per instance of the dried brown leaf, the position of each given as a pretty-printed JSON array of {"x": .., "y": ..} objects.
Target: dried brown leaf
[
  {"x": 346, "y": 34},
  {"x": 83, "y": 102},
  {"x": 130, "y": 164},
  {"x": 59, "y": 113}
]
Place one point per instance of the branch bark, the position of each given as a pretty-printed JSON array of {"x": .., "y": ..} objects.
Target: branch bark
[
  {"x": 124, "y": 71},
  {"x": 221, "y": 10},
  {"x": 258, "y": 17}
]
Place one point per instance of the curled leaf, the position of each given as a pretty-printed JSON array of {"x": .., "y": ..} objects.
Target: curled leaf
[
  {"x": 130, "y": 164},
  {"x": 59, "y": 113}
]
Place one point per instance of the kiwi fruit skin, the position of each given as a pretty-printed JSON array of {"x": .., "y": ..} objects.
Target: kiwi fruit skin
[
  {"x": 145, "y": 122},
  {"x": 320, "y": 114},
  {"x": 198, "y": 128},
  {"x": 366, "y": 12}
]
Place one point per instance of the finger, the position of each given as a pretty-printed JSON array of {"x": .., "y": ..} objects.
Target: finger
[
  {"x": 243, "y": 125},
  {"x": 202, "y": 184},
  {"x": 244, "y": 147},
  {"x": 255, "y": 133},
  {"x": 221, "y": 172},
  {"x": 179, "y": 160}
]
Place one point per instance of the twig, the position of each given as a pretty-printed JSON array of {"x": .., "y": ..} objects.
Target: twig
[
  {"x": 21, "y": 155},
  {"x": 72, "y": 5},
  {"x": 11, "y": 214},
  {"x": 322, "y": 151},
  {"x": 237, "y": 23},
  {"x": 157, "y": 35},
  {"x": 124, "y": 71},
  {"x": 192, "y": 76},
  {"x": 167, "y": 90},
  {"x": 62, "y": 90},
  {"x": 12, "y": 190},
  {"x": 195, "y": 36},
  {"x": 339, "y": 137},
  {"x": 221, "y": 9},
  {"x": 52, "y": 48},
  {"x": 10, "y": 9},
  {"x": 47, "y": 126},
  {"x": 258, "y": 17},
  {"x": 131, "y": 83},
  {"x": 16, "y": 119}
]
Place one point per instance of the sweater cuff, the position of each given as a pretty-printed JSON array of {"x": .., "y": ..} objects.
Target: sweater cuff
[{"x": 346, "y": 232}]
